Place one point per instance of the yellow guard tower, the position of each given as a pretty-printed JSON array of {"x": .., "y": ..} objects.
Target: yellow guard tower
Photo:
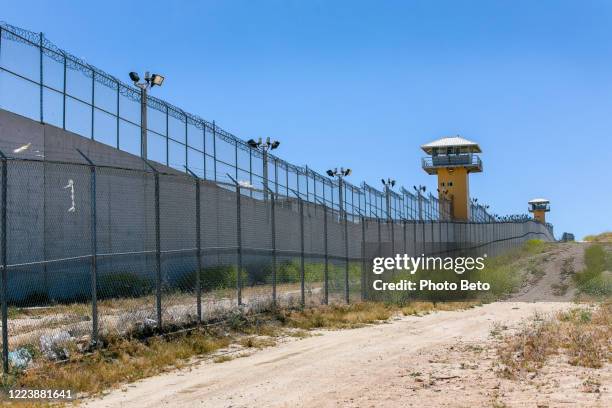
[
  {"x": 452, "y": 159},
  {"x": 539, "y": 207}
]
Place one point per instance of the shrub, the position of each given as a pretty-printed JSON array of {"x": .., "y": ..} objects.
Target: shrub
[
  {"x": 123, "y": 284},
  {"x": 596, "y": 278},
  {"x": 213, "y": 278}
]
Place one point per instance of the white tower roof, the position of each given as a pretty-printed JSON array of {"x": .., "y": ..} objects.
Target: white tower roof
[{"x": 455, "y": 141}]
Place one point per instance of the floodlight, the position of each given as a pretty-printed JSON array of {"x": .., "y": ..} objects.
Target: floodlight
[
  {"x": 330, "y": 173},
  {"x": 134, "y": 76},
  {"x": 157, "y": 79},
  {"x": 348, "y": 172},
  {"x": 275, "y": 144},
  {"x": 252, "y": 143}
]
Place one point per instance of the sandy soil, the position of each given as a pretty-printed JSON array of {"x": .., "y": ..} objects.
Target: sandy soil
[{"x": 442, "y": 359}]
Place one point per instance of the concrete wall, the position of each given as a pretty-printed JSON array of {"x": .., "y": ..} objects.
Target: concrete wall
[{"x": 41, "y": 226}]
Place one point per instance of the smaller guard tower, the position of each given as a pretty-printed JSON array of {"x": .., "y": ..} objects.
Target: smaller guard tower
[
  {"x": 539, "y": 207},
  {"x": 453, "y": 159}
]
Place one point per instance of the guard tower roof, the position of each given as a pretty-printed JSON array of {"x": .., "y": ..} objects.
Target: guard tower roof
[
  {"x": 539, "y": 201},
  {"x": 455, "y": 141}
]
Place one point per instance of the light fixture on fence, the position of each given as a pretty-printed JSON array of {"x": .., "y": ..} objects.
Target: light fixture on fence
[
  {"x": 157, "y": 79},
  {"x": 388, "y": 183},
  {"x": 340, "y": 174}
]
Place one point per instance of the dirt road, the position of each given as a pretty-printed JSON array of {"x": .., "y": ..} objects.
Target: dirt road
[{"x": 442, "y": 359}]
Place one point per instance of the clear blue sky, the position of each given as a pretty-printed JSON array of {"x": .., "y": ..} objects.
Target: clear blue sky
[{"x": 363, "y": 83}]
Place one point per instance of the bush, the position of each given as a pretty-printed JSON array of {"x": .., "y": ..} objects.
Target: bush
[
  {"x": 596, "y": 278},
  {"x": 122, "y": 285},
  {"x": 213, "y": 278}
]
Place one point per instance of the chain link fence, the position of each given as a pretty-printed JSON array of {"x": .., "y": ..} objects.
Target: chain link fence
[{"x": 90, "y": 251}]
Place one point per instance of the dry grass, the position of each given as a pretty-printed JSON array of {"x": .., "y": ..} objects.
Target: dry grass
[
  {"x": 337, "y": 317},
  {"x": 603, "y": 237},
  {"x": 257, "y": 342},
  {"x": 361, "y": 314},
  {"x": 123, "y": 360},
  {"x": 224, "y": 358},
  {"x": 423, "y": 308},
  {"x": 129, "y": 359},
  {"x": 581, "y": 335}
]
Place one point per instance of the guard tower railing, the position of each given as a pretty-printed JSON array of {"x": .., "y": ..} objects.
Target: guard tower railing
[{"x": 470, "y": 160}]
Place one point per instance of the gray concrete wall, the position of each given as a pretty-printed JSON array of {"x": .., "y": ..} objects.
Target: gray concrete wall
[{"x": 42, "y": 228}]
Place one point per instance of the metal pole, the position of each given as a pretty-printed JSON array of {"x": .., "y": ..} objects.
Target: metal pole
[
  {"x": 143, "y": 123},
  {"x": 302, "y": 268},
  {"x": 5, "y": 365},
  {"x": 344, "y": 214},
  {"x": 265, "y": 173},
  {"x": 388, "y": 201},
  {"x": 214, "y": 151},
  {"x": 273, "y": 227},
  {"x": 363, "y": 259},
  {"x": 433, "y": 238},
  {"x": 41, "y": 78},
  {"x": 94, "y": 258},
  {"x": 94, "y": 251},
  {"x": 199, "y": 253},
  {"x": 414, "y": 237},
  {"x": 239, "y": 244},
  {"x": 326, "y": 271},
  {"x": 158, "y": 285},
  {"x": 405, "y": 237}
]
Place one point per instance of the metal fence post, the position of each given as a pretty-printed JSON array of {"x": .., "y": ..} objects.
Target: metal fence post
[
  {"x": 238, "y": 239},
  {"x": 326, "y": 271},
  {"x": 414, "y": 237},
  {"x": 239, "y": 245},
  {"x": 302, "y": 267},
  {"x": 346, "y": 259},
  {"x": 405, "y": 237},
  {"x": 363, "y": 259},
  {"x": 158, "y": 277},
  {"x": 41, "y": 86},
  {"x": 379, "y": 249},
  {"x": 199, "y": 252},
  {"x": 94, "y": 251},
  {"x": 158, "y": 274},
  {"x": 392, "y": 235},
  {"x": 198, "y": 285},
  {"x": 273, "y": 229},
  {"x": 5, "y": 365}
]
